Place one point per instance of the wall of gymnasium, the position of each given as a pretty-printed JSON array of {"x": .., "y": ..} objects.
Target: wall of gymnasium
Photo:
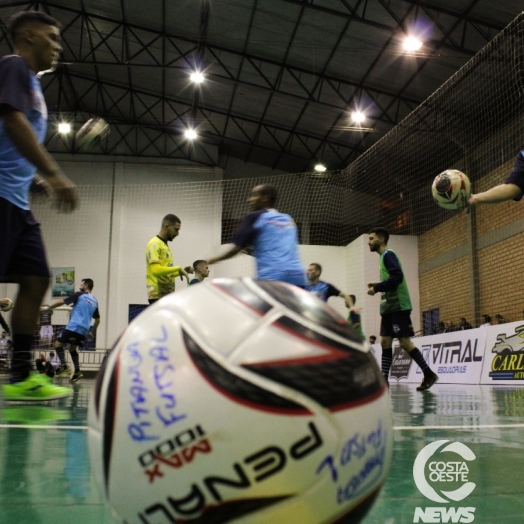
[
  {"x": 445, "y": 262},
  {"x": 122, "y": 204}
]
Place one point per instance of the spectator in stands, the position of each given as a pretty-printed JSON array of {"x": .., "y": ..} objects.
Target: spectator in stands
[
  {"x": 5, "y": 346},
  {"x": 4, "y": 324},
  {"x": 486, "y": 321},
  {"x": 44, "y": 366},
  {"x": 464, "y": 324},
  {"x": 372, "y": 339},
  {"x": 442, "y": 327},
  {"x": 500, "y": 319}
]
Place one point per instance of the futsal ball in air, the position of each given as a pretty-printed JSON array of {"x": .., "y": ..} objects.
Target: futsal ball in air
[
  {"x": 6, "y": 305},
  {"x": 240, "y": 401},
  {"x": 451, "y": 189},
  {"x": 92, "y": 132}
]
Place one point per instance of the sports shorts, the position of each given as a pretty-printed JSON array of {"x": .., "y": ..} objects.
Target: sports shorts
[
  {"x": 396, "y": 325},
  {"x": 22, "y": 249}
]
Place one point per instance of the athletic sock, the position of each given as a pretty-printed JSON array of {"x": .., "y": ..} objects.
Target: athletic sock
[
  {"x": 416, "y": 355},
  {"x": 387, "y": 358},
  {"x": 75, "y": 359},
  {"x": 21, "y": 363},
  {"x": 61, "y": 355}
]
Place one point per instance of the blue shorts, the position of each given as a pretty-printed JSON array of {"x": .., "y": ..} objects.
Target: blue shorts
[
  {"x": 22, "y": 249},
  {"x": 71, "y": 337},
  {"x": 397, "y": 325}
]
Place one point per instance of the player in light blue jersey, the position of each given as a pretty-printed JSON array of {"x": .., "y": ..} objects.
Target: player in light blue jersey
[
  {"x": 23, "y": 123},
  {"x": 273, "y": 238},
  {"x": 85, "y": 308}
]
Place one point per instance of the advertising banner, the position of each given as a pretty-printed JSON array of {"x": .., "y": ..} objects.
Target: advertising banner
[
  {"x": 504, "y": 355},
  {"x": 456, "y": 357}
]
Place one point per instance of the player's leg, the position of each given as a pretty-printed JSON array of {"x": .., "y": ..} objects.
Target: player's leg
[
  {"x": 24, "y": 321},
  {"x": 77, "y": 375},
  {"x": 23, "y": 260},
  {"x": 386, "y": 342},
  {"x": 61, "y": 341},
  {"x": 403, "y": 321}
]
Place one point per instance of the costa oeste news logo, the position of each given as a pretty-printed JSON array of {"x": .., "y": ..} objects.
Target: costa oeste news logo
[{"x": 432, "y": 473}]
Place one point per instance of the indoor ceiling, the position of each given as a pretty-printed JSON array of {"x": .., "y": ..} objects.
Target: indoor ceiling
[{"x": 282, "y": 76}]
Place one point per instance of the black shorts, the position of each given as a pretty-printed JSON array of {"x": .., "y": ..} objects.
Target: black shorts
[
  {"x": 396, "y": 325},
  {"x": 71, "y": 337},
  {"x": 22, "y": 249}
]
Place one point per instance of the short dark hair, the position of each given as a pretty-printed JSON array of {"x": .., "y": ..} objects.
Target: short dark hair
[
  {"x": 18, "y": 20},
  {"x": 89, "y": 283},
  {"x": 172, "y": 219},
  {"x": 487, "y": 318},
  {"x": 381, "y": 232},
  {"x": 198, "y": 262},
  {"x": 317, "y": 265},
  {"x": 269, "y": 191}
]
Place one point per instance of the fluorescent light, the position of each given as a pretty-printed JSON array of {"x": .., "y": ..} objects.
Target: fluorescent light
[
  {"x": 197, "y": 77},
  {"x": 190, "y": 134},
  {"x": 64, "y": 128},
  {"x": 412, "y": 43},
  {"x": 320, "y": 168},
  {"x": 358, "y": 117}
]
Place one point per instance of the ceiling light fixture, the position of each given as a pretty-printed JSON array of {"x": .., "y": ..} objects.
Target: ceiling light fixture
[
  {"x": 320, "y": 168},
  {"x": 358, "y": 117},
  {"x": 190, "y": 134},
  {"x": 412, "y": 44},
  {"x": 64, "y": 128},
  {"x": 197, "y": 77}
]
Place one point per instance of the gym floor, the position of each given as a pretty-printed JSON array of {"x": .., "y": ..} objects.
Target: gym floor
[{"x": 45, "y": 473}]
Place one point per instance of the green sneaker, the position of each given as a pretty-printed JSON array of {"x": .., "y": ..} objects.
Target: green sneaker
[
  {"x": 33, "y": 414},
  {"x": 35, "y": 388}
]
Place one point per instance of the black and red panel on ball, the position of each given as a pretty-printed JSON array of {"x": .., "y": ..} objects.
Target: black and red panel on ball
[
  {"x": 341, "y": 378},
  {"x": 236, "y": 388}
]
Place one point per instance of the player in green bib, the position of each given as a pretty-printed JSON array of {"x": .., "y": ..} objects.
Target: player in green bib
[{"x": 395, "y": 308}]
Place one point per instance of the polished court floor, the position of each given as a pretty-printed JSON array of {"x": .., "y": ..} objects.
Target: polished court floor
[{"x": 45, "y": 475}]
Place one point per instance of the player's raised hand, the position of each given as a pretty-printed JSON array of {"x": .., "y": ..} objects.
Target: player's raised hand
[
  {"x": 40, "y": 188},
  {"x": 189, "y": 269},
  {"x": 66, "y": 199}
]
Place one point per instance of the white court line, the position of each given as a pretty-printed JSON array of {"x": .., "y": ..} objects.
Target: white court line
[
  {"x": 36, "y": 426},
  {"x": 478, "y": 426},
  {"x": 395, "y": 428}
]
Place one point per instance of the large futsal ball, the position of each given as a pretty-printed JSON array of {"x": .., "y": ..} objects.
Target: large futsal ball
[
  {"x": 92, "y": 132},
  {"x": 240, "y": 401},
  {"x": 451, "y": 189}
]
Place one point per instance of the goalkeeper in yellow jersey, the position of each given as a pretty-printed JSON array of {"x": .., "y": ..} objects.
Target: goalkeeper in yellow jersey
[{"x": 161, "y": 272}]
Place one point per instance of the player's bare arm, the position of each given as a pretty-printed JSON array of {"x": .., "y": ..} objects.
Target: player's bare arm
[
  {"x": 56, "y": 304},
  {"x": 23, "y": 137},
  {"x": 231, "y": 252},
  {"x": 496, "y": 194}
]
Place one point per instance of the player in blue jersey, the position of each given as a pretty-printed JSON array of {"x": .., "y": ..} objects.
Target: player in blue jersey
[
  {"x": 271, "y": 236},
  {"x": 321, "y": 289},
  {"x": 85, "y": 308},
  {"x": 23, "y": 123}
]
